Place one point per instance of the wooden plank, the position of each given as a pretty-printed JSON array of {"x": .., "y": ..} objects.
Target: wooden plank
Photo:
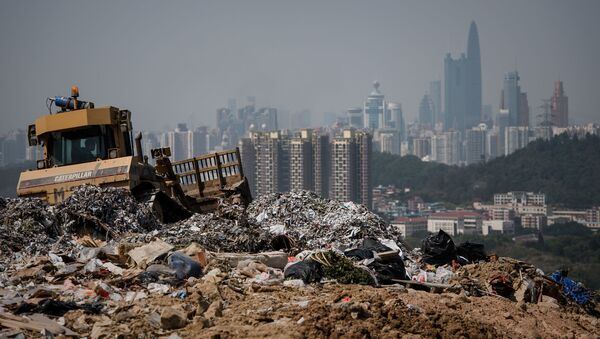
[{"x": 35, "y": 322}]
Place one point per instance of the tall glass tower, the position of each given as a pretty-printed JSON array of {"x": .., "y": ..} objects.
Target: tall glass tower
[
  {"x": 473, "y": 113},
  {"x": 374, "y": 108},
  {"x": 462, "y": 86}
]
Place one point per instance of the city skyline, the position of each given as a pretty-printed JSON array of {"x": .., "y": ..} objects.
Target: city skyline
[{"x": 177, "y": 63}]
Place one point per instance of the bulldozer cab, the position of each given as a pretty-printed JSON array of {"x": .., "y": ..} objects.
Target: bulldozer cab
[
  {"x": 80, "y": 136},
  {"x": 81, "y": 145}
]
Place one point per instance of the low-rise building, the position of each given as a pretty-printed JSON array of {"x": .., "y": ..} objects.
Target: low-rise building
[
  {"x": 410, "y": 226},
  {"x": 497, "y": 227},
  {"x": 536, "y": 221},
  {"x": 455, "y": 222}
]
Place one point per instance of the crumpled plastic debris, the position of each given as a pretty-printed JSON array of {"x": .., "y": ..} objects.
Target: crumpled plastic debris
[
  {"x": 317, "y": 223},
  {"x": 572, "y": 289}
]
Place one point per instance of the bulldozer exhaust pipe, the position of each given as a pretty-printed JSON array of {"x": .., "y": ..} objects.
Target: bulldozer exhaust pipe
[{"x": 138, "y": 146}]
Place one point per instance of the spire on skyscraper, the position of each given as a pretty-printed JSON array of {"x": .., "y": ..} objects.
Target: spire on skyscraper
[{"x": 474, "y": 104}]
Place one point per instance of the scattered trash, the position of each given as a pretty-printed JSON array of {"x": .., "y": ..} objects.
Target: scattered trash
[
  {"x": 94, "y": 264},
  {"x": 471, "y": 251},
  {"x": 572, "y": 289}
]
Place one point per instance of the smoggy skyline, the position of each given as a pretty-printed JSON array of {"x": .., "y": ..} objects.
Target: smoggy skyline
[{"x": 179, "y": 61}]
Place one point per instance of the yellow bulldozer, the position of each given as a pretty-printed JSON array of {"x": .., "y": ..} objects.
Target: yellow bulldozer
[{"x": 87, "y": 145}]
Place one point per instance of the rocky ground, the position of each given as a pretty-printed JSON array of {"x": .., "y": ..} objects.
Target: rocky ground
[{"x": 332, "y": 310}]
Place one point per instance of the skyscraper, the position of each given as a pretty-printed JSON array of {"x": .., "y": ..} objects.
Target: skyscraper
[
  {"x": 462, "y": 86},
  {"x": 560, "y": 106},
  {"x": 355, "y": 118},
  {"x": 426, "y": 113},
  {"x": 473, "y": 101},
  {"x": 397, "y": 118},
  {"x": 455, "y": 92},
  {"x": 435, "y": 92},
  {"x": 514, "y": 101},
  {"x": 374, "y": 108}
]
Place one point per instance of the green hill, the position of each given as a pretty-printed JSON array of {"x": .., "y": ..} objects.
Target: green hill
[{"x": 566, "y": 169}]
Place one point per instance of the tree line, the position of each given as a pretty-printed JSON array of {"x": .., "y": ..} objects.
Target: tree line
[{"x": 566, "y": 169}]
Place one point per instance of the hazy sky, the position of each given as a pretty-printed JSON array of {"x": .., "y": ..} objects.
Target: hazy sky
[{"x": 168, "y": 61}]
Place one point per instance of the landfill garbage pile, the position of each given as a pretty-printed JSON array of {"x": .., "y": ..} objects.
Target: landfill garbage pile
[
  {"x": 216, "y": 233},
  {"x": 316, "y": 223},
  {"x": 99, "y": 265},
  {"x": 26, "y": 226},
  {"x": 31, "y": 227},
  {"x": 113, "y": 209}
]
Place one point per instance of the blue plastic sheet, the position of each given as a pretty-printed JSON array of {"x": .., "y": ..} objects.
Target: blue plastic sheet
[{"x": 571, "y": 288}]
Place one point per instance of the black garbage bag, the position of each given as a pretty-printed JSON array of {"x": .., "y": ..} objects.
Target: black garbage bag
[
  {"x": 359, "y": 253},
  {"x": 308, "y": 270},
  {"x": 438, "y": 249},
  {"x": 184, "y": 266},
  {"x": 57, "y": 308},
  {"x": 374, "y": 245},
  {"x": 389, "y": 270},
  {"x": 385, "y": 269},
  {"x": 471, "y": 251}
]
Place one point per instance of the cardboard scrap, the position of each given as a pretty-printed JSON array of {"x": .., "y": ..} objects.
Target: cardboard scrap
[{"x": 146, "y": 254}]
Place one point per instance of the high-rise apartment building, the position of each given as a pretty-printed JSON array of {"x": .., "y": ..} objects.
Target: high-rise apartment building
[
  {"x": 462, "y": 86},
  {"x": 445, "y": 148},
  {"x": 277, "y": 162},
  {"x": 301, "y": 162},
  {"x": 516, "y": 137},
  {"x": 492, "y": 144},
  {"x": 321, "y": 152},
  {"x": 271, "y": 162},
  {"x": 200, "y": 142},
  {"x": 248, "y": 155},
  {"x": 181, "y": 142},
  {"x": 310, "y": 162},
  {"x": 560, "y": 106},
  {"x": 421, "y": 147},
  {"x": 351, "y": 167},
  {"x": 475, "y": 140},
  {"x": 389, "y": 141}
]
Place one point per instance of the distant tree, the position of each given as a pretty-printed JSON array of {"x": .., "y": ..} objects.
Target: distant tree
[{"x": 569, "y": 228}]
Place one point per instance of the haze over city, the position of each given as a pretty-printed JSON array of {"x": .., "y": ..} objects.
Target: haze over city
[{"x": 169, "y": 62}]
